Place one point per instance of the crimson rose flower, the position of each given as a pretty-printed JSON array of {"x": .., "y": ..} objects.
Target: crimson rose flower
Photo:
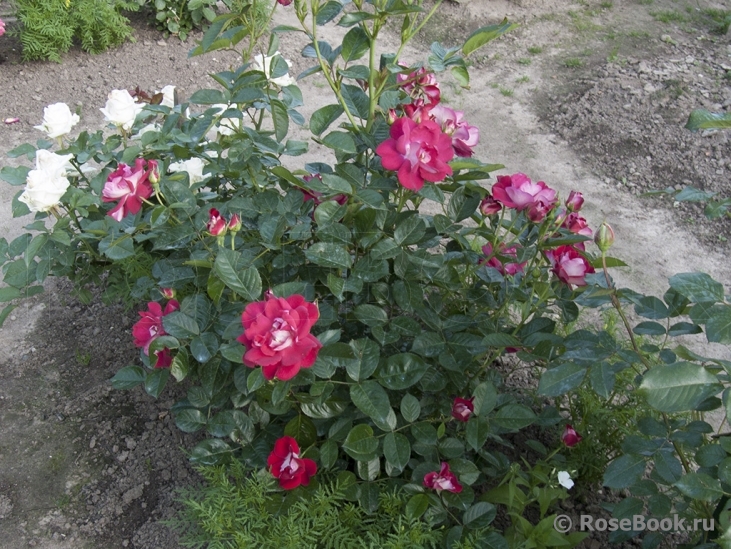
[
  {"x": 495, "y": 263},
  {"x": 443, "y": 480},
  {"x": 519, "y": 192},
  {"x": 418, "y": 152},
  {"x": 129, "y": 186},
  {"x": 570, "y": 437},
  {"x": 464, "y": 136},
  {"x": 286, "y": 464},
  {"x": 462, "y": 408},
  {"x": 216, "y": 225},
  {"x": 277, "y": 335},
  {"x": 149, "y": 328},
  {"x": 569, "y": 265}
]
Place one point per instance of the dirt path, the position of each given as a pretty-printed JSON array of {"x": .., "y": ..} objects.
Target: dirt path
[{"x": 84, "y": 466}]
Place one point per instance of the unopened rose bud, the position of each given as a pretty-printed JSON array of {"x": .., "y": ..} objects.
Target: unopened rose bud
[
  {"x": 392, "y": 116},
  {"x": 574, "y": 201},
  {"x": 234, "y": 224},
  {"x": 153, "y": 172},
  {"x": 168, "y": 293},
  {"x": 216, "y": 225},
  {"x": 489, "y": 205},
  {"x": 604, "y": 237}
]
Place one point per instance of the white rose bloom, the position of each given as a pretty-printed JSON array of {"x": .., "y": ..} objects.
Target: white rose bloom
[
  {"x": 564, "y": 479},
  {"x": 194, "y": 167},
  {"x": 168, "y": 96},
  {"x": 121, "y": 109},
  {"x": 57, "y": 120},
  {"x": 263, "y": 63},
  {"x": 55, "y": 165},
  {"x": 43, "y": 190}
]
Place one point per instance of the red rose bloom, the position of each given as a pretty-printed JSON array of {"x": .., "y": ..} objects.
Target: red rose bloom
[
  {"x": 285, "y": 464},
  {"x": 150, "y": 327},
  {"x": 164, "y": 358},
  {"x": 128, "y": 186},
  {"x": 570, "y": 437},
  {"x": 277, "y": 335},
  {"x": 462, "y": 408},
  {"x": 569, "y": 265},
  {"x": 443, "y": 480},
  {"x": 418, "y": 152},
  {"x": 519, "y": 192}
]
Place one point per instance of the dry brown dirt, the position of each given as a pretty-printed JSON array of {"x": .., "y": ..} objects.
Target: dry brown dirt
[{"x": 587, "y": 95}]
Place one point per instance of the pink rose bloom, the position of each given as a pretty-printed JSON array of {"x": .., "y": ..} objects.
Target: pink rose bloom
[
  {"x": 577, "y": 225},
  {"x": 575, "y": 201},
  {"x": 150, "y": 326},
  {"x": 2, "y": 27},
  {"x": 443, "y": 480},
  {"x": 277, "y": 335},
  {"x": 569, "y": 265},
  {"x": 495, "y": 263},
  {"x": 286, "y": 465},
  {"x": 464, "y": 136},
  {"x": 216, "y": 225},
  {"x": 490, "y": 206},
  {"x": 462, "y": 408},
  {"x": 420, "y": 85},
  {"x": 418, "y": 152},
  {"x": 128, "y": 186},
  {"x": 519, "y": 192},
  {"x": 570, "y": 437},
  {"x": 284, "y": 2}
]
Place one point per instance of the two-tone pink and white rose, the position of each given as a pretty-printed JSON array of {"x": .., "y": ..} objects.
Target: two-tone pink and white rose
[
  {"x": 464, "y": 136},
  {"x": 519, "y": 192},
  {"x": 149, "y": 328},
  {"x": 444, "y": 480},
  {"x": 504, "y": 267},
  {"x": 569, "y": 265},
  {"x": 129, "y": 186}
]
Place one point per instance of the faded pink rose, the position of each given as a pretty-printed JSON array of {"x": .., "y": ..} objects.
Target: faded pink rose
[
  {"x": 490, "y": 206},
  {"x": 420, "y": 84},
  {"x": 575, "y": 201},
  {"x": 150, "y": 326},
  {"x": 569, "y": 265},
  {"x": 417, "y": 152},
  {"x": 519, "y": 192},
  {"x": 443, "y": 480},
  {"x": 277, "y": 335},
  {"x": 462, "y": 408},
  {"x": 570, "y": 437},
  {"x": 128, "y": 186},
  {"x": 504, "y": 268},
  {"x": 286, "y": 465},
  {"x": 216, "y": 225},
  {"x": 464, "y": 136}
]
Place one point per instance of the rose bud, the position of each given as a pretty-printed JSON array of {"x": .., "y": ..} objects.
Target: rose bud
[
  {"x": 570, "y": 437},
  {"x": 489, "y": 205},
  {"x": 462, "y": 408},
  {"x": 216, "y": 225},
  {"x": 234, "y": 224},
  {"x": 392, "y": 116},
  {"x": 168, "y": 293},
  {"x": 153, "y": 172},
  {"x": 574, "y": 201},
  {"x": 604, "y": 237}
]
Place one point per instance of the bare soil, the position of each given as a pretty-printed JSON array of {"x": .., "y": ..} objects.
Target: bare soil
[{"x": 585, "y": 95}]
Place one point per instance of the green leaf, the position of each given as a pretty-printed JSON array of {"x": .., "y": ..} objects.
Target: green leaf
[
  {"x": 401, "y": 371},
  {"x": 224, "y": 423},
  {"x": 691, "y": 194},
  {"x": 561, "y": 379},
  {"x": 180, "y": 325},
  {"x": 301, "y": 428},
  {"x": 208, "y": 97},
  {"x": 328, "y": 454},
  {"x": 624, "y": 472},
  {"x": 372, "y": 400},
  {"x": 410, "y": 408},
  {"x": 328, "y": 12},
  {"x": 367, "y": 354},
  {"x": 204, "y": 347},
  {"x": 244, "y": 281},
  {"x": 14, "y": 176},
  {"x": 128, "y": 377},
  {"x": 514, "y": 417},
  {"x": 280, "y": 118},
  {"x": 180, "y": 367},
  {"x": 678, "y": 387},
  {"x": 718, "y": 325},
  {"x": 649, "y": 328},
  {"x": 212, "y": 451},
  {"x": 360, "y": 444},
  {"x": 329, "y": 254},
  {"x": 410, "y": 231},
  {"x": 701, "y": 119},
  {"x": 355, "y": 44},
  {"x": 484, "y": 35},
  {"x": 355, "y": 17},
  {"x": 371, "y": 315},
  {"x": 501, "y": 340},
  {"x": 700, "y": 486},
  {"x": 397, "y": 450},
  {"x": 697, "y": 287},
  {"x": 190, "y": 420},
  {"x": 476, "y": 432},
  {"x": 602, "y": 376},
  {"x": 323, "y": 117},
  {"x": 117, "y": 247},
  {"x": 480, "y": 515},
  {"x": 340, "y": 141},
  {"x": 417, "y": 506},
  {"x": 155, "y": 381}
]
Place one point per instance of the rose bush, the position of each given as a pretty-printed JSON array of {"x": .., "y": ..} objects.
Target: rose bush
[{"x": 346, "y": 320}]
